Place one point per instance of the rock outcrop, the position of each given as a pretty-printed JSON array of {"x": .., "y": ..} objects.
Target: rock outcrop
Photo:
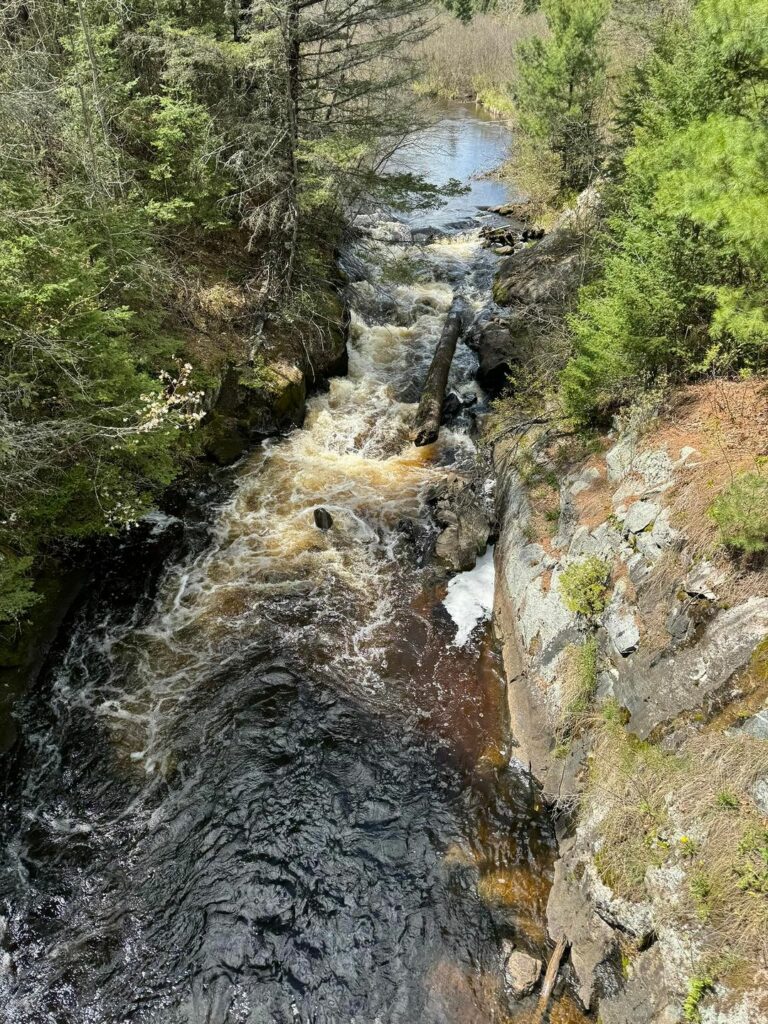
[
  {"x": 671, "y": 652},
  {"x": 464, "y": 517},
  {"x": 532, "y": 287},
  {"x": 682, "y": 663}
]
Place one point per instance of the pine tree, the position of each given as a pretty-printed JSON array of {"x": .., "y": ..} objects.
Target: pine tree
[
  {"x": 145, "y": 136},
  {"x": 562, "y": 81},
  {"x": 683, "y": 283},
  {"x": 463, "y": 9}
]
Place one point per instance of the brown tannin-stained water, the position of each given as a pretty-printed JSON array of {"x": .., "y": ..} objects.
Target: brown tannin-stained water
[{"x": 275, "y": 789}]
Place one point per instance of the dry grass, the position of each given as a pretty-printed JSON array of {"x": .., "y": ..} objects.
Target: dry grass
[
  {"x": 477, "y": 61},
  {"x": 577, "y": 681},
  {"x": 655, "y": 596},
  {"x": 693, "y": 809},
  {"x": 727, "y": 423}
]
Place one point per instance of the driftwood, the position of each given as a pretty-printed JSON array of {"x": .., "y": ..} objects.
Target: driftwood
[
  {"x": 549, "y": 980},
  {"x": 430, "y": 411},
  {"x": 505, "y": 236}
]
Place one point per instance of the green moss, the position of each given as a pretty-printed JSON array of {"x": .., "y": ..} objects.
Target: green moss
[{"x": 259, "y": 377}]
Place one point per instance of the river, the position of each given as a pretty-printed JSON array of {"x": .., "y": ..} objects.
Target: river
[{"x": 274, "y": 788}]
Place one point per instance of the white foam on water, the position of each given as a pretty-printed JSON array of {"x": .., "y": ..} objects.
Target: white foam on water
[{"x": 470, "y": 597}]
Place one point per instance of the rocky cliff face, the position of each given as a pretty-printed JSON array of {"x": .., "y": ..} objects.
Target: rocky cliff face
[{"x": 636, "y": 653}]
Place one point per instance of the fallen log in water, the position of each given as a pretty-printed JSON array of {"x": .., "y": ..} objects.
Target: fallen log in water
[
  {"x": 430, "y": 411},
  {"x": 549, "y": 980}
]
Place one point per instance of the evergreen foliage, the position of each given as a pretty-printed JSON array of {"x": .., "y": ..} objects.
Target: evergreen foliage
[
  {"x": 683, "y": 282},
  {"x": 561, "y": 84},
  {"x": 465, "y": 10},
  {"x": 741, "y": 512},
  {"x": 461, "y": 9},
  {"x": 143, "y": 136}
]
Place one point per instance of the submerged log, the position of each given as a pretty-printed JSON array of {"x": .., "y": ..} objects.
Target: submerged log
[
  {"x": 430, "y": 411},
  {"x": 549, "y": 979}
]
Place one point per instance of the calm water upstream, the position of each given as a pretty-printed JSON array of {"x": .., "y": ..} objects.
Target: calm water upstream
[{"x": 273, "y": 789}]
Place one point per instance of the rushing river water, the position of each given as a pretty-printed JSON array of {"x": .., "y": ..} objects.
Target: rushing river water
[{"x": 274, "y": 789}]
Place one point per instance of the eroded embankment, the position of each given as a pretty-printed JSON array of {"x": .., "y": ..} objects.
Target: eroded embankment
[{"x": 637, "y": 664}]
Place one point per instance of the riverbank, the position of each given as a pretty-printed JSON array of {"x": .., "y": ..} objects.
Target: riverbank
[
  {"x": 475, "y": 62},
  {"x": 287, "y": 749},
  {"x": 634, "y": 649},
  {"x": 255, "y": 377}
]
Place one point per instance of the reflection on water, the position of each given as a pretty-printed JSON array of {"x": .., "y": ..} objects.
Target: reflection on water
[
  {"x": 468, "y": 145},
  {"x": 277, "y": 792}
]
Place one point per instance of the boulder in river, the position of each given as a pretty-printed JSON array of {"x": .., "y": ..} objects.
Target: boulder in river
[
  {"x": 549, "y": 272},
  {"x": 500, "y": 342},
  {"x": 536, "y": 284},
  {"x": 465, "y": 521},
  {"x": 453, "y": 403},
  {"x": 521, "y": 973},
  {"x": 323, "y": 519}
]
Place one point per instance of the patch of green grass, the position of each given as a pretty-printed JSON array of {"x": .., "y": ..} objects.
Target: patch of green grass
[
  {"x": 701, "y": 894},
  {"x": 579, "y": 684},
  {"x": 753, "y": 866},
  {"x": 727, "y": 800},
  {"x": 584, "y": 586},
  {"x": 613, "y": 713},
  {"x": 552, "y": 516},
  {"x": 496, "y": 101}
]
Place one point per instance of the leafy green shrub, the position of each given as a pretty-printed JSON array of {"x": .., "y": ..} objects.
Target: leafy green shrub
[
  {"x": 584, "y": 586},
  {"x": 741, "y": 512},
  {"x": 16, "y": 588}
]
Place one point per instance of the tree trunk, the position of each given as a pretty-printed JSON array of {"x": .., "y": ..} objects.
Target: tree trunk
[
  {"x": 549, "y": 979},
  {"x": 430, "y": 411},
  {"x": 292, "y": 42}
]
